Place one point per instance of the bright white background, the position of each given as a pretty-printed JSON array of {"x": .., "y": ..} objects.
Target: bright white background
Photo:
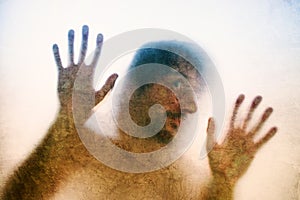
[{"x": 254, "y": 44}]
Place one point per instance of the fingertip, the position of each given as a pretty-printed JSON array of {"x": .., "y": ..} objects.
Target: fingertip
[
  {"x": 270, "y": 110},
  {"x": 211, "y": 140},
  {"x": 259, "y": 97},
  {"x": 71, "y": 34},
  {"x": 270, "y": 134},
  {"x": 99, "y": 38},
  {"x": 273, "y": 130},
  {"x": 256, "y": 101},
  {"x": 112, "y": 79},
  {"x": 85, "y": 30},
  {"x": 240, "y": 99},
  {"x": 55, "y": 48},
  {"x": 115, "y": 75},
  {"x": 211, "y": 124},
  {"x": 267, "y": 113}
]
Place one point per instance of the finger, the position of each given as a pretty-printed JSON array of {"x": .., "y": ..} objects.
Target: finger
[
  {"x": 109, "y": 84},
  {"x": 57, "y": 57},
  {"x": 253, "y": 106},
  {"x": 99, "y": 43},
  {"x": 71, "y": 47},
  {"x": 84, "y": 43},
  {"x": 261, "y": 122},
  {"x": 211, "y": 139},
  {"x": 238, "y": 103},
  {"x": 266, "y": 138}
]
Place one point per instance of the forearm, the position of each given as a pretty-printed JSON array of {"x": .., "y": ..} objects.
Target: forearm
[
  {"x": 34, "y": 179},
  {"x": 40, "y": 174},
  {"x": 219, "y": 188}
]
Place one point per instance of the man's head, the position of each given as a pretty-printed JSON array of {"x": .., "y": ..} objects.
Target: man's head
[{"x": 179, "y": 56}]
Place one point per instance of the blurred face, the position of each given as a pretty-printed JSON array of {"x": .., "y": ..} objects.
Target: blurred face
[{"x": 150, "y": 94}]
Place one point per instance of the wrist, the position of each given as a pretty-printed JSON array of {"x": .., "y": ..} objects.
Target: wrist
[
  {"x": 220, "y": 187},
  {"x": 63, "y": 123},
  {"x": 221, "y": 178}
]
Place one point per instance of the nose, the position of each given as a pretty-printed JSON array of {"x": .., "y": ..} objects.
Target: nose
[
  {"x": 188, "y": 107},
  {"x": 187, "y": 100}
]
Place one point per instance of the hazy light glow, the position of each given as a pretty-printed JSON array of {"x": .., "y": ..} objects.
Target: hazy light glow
[{"x": 254, "y": 44}]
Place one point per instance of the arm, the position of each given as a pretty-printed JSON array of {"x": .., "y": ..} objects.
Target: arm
[
  {"x": 231, "y": 159},
  {"x": 61, "y": 152}
]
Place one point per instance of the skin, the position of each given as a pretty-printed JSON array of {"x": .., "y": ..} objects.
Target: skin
[
  {"x": 229, "y": 160},
  {"x": 61, "y": 156},
  {"x": 61, "y": 153},
  {"x": 140, "y": 102}
]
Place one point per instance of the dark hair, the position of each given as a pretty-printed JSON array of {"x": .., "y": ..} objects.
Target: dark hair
[{"x": 169, "y": 53}]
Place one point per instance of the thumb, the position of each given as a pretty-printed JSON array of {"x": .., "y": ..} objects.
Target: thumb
[{"x": 211, "y": 139}]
